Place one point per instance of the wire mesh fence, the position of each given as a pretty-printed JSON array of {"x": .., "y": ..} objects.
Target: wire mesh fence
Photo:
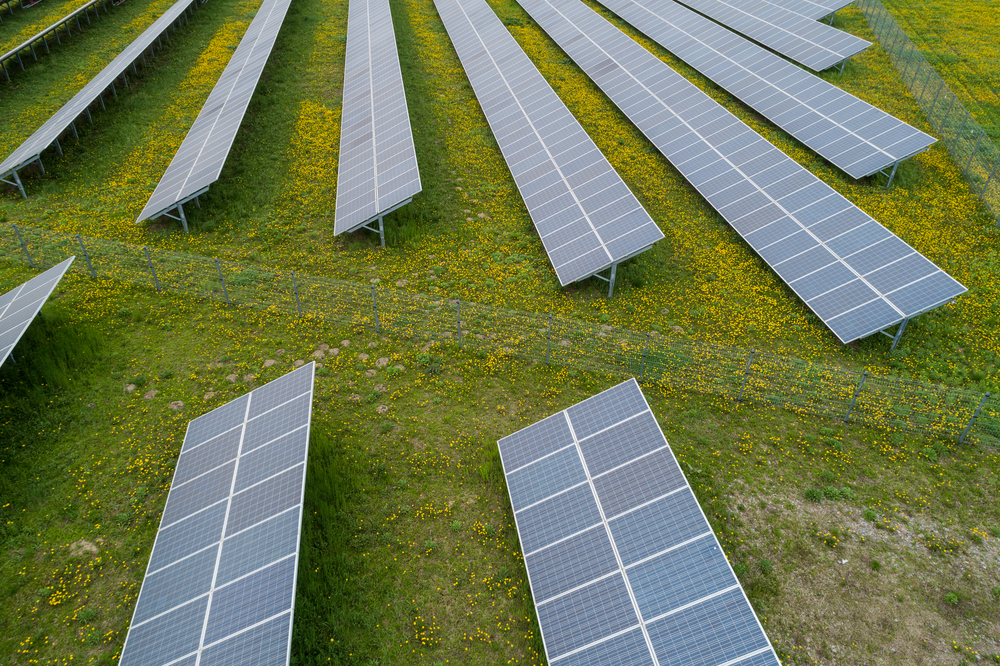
[
  {"x": 496, "y": 334},
  {"x": 970, "y": 146}
]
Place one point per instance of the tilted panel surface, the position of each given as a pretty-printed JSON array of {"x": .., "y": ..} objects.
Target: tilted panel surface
[
  {"x": 200, "y": 157},
  {"x": 377, "y": 167},
  {"x": 220, "y": 585},
  {"x": 855, "y": 136},
  {"x": 814, "y": 9},
  {"x": 816, "y": 45},
  {"x": 586, "y": 216},
  {"x": 19, "y": 306},
  {"x": 851, "y": 271},
  {"x": 71, "y": 110},
  {"x": 634, "y": 576}
]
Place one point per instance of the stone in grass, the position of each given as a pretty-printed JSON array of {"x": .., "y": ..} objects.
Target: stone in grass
[
  {"x": 298, "y": 363},
  {"x": 382, "y": 362},
  {"x": 399, "y": 367},
  {"x": 249, "y": 378},
  {"x": 372, "y": 344},
  {"x": 370, "y": 372},
  {"x": 150, "y": 394},
  {"x": 209, "y": 395},
  {"x": 354, "y": 397},
  {"x": 233, "y": 377},
  {"x": 81, "y": 548},
  {"x": 319, "y": 353},
  {"x": 176, "y": 405},
  {"x": 401, "y": 283},
  {"x": 677, "y": 329},
  {"x": 269, "y": 362},
  {"x": 363, "y": 357},
  {"x": 129, "y": 388},
  {"x": 279, "y": 352},
  {"x": 345, "y": 343},
  {"x": 333, "y": 352},
  {"x": 564, "y": 343},
  {"x": 381, "y": 388},
  {"x": 382, "y": 409},
  {"x": 323, "y": 346}
]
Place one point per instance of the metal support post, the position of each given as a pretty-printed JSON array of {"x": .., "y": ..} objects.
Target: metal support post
[
  {"x": 58, "y": 147},
  {"x": 381, "y": 231},
  {"x": 222, "y": 280},
  {"x": 378, "y": 326},
  {"x": 72, "y": 126},
  {"x": 973, "y": 154},
  {"x": 899, "y": 334},
  {"x": 611, "y": 281},
  {"x": 857, "y": 392},
  {"x": 184, "y": 221},
  {"x": 100, "y": 98},
  {"x": 548, "y": 341},
  {"x": 746, "y": 374},
  {"x": 295, "y": 288},
  {"x": 152, "y": 269},
  {"x": 459, "y": 317},
  {"x": 20, "y": 186},
  {"x": 892, "y": 175},
  {"x": 981, "y": 194},
  {"x": 930, "y": 75},
  {"x": 964, "y": 121},
  {"x": 40, "y": 165},
  {"x": 197, "y": 203},
  {"x": 975, "y": 416},
  {"x": 642, "y": 364},
  {"x": 930, "y": 112},
  {"x": 948, "y": 112},
  {"x": 86, "y": 256},
  {"x": 24, "y": 246}
]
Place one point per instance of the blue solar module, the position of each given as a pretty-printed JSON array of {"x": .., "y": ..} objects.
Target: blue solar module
[
  {"x": 586, "y": 216},
  {"x": 815, "y": 45},
  {"x": 853, "y": 135},
  {"x": 626, "y": 583},
  {"x": 19, "y": 306},
  {"x": 856, "y": 275},
  {"x": 814, "y": 9},
  {"x": 220, "y": 585}
]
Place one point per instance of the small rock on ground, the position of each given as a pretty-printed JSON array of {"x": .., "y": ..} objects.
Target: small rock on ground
[
  {"x": 564, "y": 343},
  {"x": 382, "y": 362},
  {"x": 677, "y": 329},
  {"x": 232, "y": 377},
  {"x": 298, "y": 363},
  {"x": 319, "y": 353},
  {"x": 176, "y": 404},
  {"x": 82, "y": 547},
  {"x": 345, "y": 343},
  {"x": 399, "y": 367},
  {"x": 333, "y": 352},
  {"x": 372, "y": 344},
  {"x": 269, "y": 362},
  {"x": 323, "y": 346},
  {"x": 354, "y": 397},
  {"x": 363, "y": 357},
  {"x": 381, "y": 388},
  {"x": 400, "y": 283},
  {"x": 129, "y": 388},
  {"x": 279, "y": 352},
  {"x": 382, "y": 409},
  {"x": 249, "y": 378},
  {"x": 209, "y": 395},
  {"x": 370, "y": 372},
  {"x": 150, "y": 394}
]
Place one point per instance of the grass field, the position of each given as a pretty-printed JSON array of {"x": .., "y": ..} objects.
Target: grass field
[
  {"x": 856, "y": 546},
  {"x": 950, "y": 35}
]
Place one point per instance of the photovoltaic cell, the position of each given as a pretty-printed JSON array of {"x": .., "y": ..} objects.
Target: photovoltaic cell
[
  {"x": 815, "y": 45},
  {"x": 220, "y": 585},
  {"x": 586, "y": 216},
  {"x": 19, "y": 306},
  {"x": 378, "y": 163},
  {"x": 814, "y": 9},
  {"x": 853, "y": 135},
  {"x": 617, "y": 585},
  {"x": 794, "y": 221},
  {"x": 200, "y": 157}
]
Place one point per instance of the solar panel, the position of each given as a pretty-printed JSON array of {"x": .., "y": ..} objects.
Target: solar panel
[
  {"x": 63, "y": 119},
  {"x": 200, "y": 157},
  {"x": 623, "y": 565},
  {"x": 220, "y": 585},
  {"x": 815, "y": 45},
  {"x": 852, "y": 134},
  {"x": 52, "y": 30},
  {"x": 19, "y": 306},
  {"x": 814, "y": 9},
  {"x": 856, "y": 275},
  {"x": 378, "y": 163},
  {"x": 587, "y": 217}
]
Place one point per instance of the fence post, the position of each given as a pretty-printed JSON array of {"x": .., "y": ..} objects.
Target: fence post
[
  {"x": 86, "y": 256},
  {"x": 152, "y": 269},
  {"x": 23, "y": 246},
  {"x": 223, "y": 281},
  {"x": 378, "y": 326},
  {"x": 642, "y": 365},
  {"x": 459, "y": 322},
  {"x": 989, "y": 178},
  {"x": 857, "y": 392},
  {"x": 973, "y": 153},
  {"x": 975, "y": 416},
  {"x": 548, "y": 342},
  {"x": 295, "y": 288},
  {"x": 746, "y": 375}
]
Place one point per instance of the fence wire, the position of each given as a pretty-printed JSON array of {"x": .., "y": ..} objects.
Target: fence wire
[
  {"x": 970, "y": 146},
  {"x": 498, "y": 334}
]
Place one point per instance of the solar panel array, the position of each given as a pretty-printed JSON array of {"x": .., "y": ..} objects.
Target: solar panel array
[
  {"x": 378, "y": 163},
  {"x": 19, "y": 306},
  {"x": 623, "y": 565},
  {"x": 586, "y": 216},
  {"x": 855, "y": 136},
  {"x": 203, "y": 152},
  {"x": 219, "y": 589},
  {"x": 815, "y": 45},
  {"x": 65, "y": 21},
  {"x": 30, "y": 150},
  {"x": 856, "y": 275},
  {"x": 814, "y": 9}
]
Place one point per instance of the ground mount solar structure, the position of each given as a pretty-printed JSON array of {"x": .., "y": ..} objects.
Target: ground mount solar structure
[
  {"x": 853, "y": 273},
  {"x": 814, "y": 9},
  {"x": 378, "y": 171},
  {"x": 623, "y": 565},
  {"x": 52, "y": 32},
  {"x": 199, "y": 159},
  {"x": 853, "y": 135},
  {"x": 588, "y": 219},
  {"x": 815, "y": 45},
  {"x": 30, "y": 152},
  {"x": 219, "y": 589},
  {"x": 19, "y": 306}
]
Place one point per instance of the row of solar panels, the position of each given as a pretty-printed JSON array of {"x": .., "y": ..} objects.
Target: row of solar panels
[{"x": 622, "y": 563}]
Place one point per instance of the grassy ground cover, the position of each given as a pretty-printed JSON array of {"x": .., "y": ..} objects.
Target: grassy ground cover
[
  {"x": 855, "y": 546},
  {"x": 951, "y": 36}
]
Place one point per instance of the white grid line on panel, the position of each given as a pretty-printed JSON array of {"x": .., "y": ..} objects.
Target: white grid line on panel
[
  {"x": 545, "y": 499},
  {"x": 652, "y": 501},
  {"x": 565, "y": 538},
  {"x": 748, "y": 655},
  {"x": 708, "y": 597},
  {"x": 578, "y": 587},
  {"x": 249, "y": 628},
  {"x": 598, "y": 642},
  {"x": 159, "y": 615},
  {"x": 626, "y": 464},
  {"x": 603, "y": 430},
  {"x": 540, "y": 458},
  {"x": 667, "y": 550},
  {"x": 213, "y": 438},
  {"x": 193, "y": 513}
]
